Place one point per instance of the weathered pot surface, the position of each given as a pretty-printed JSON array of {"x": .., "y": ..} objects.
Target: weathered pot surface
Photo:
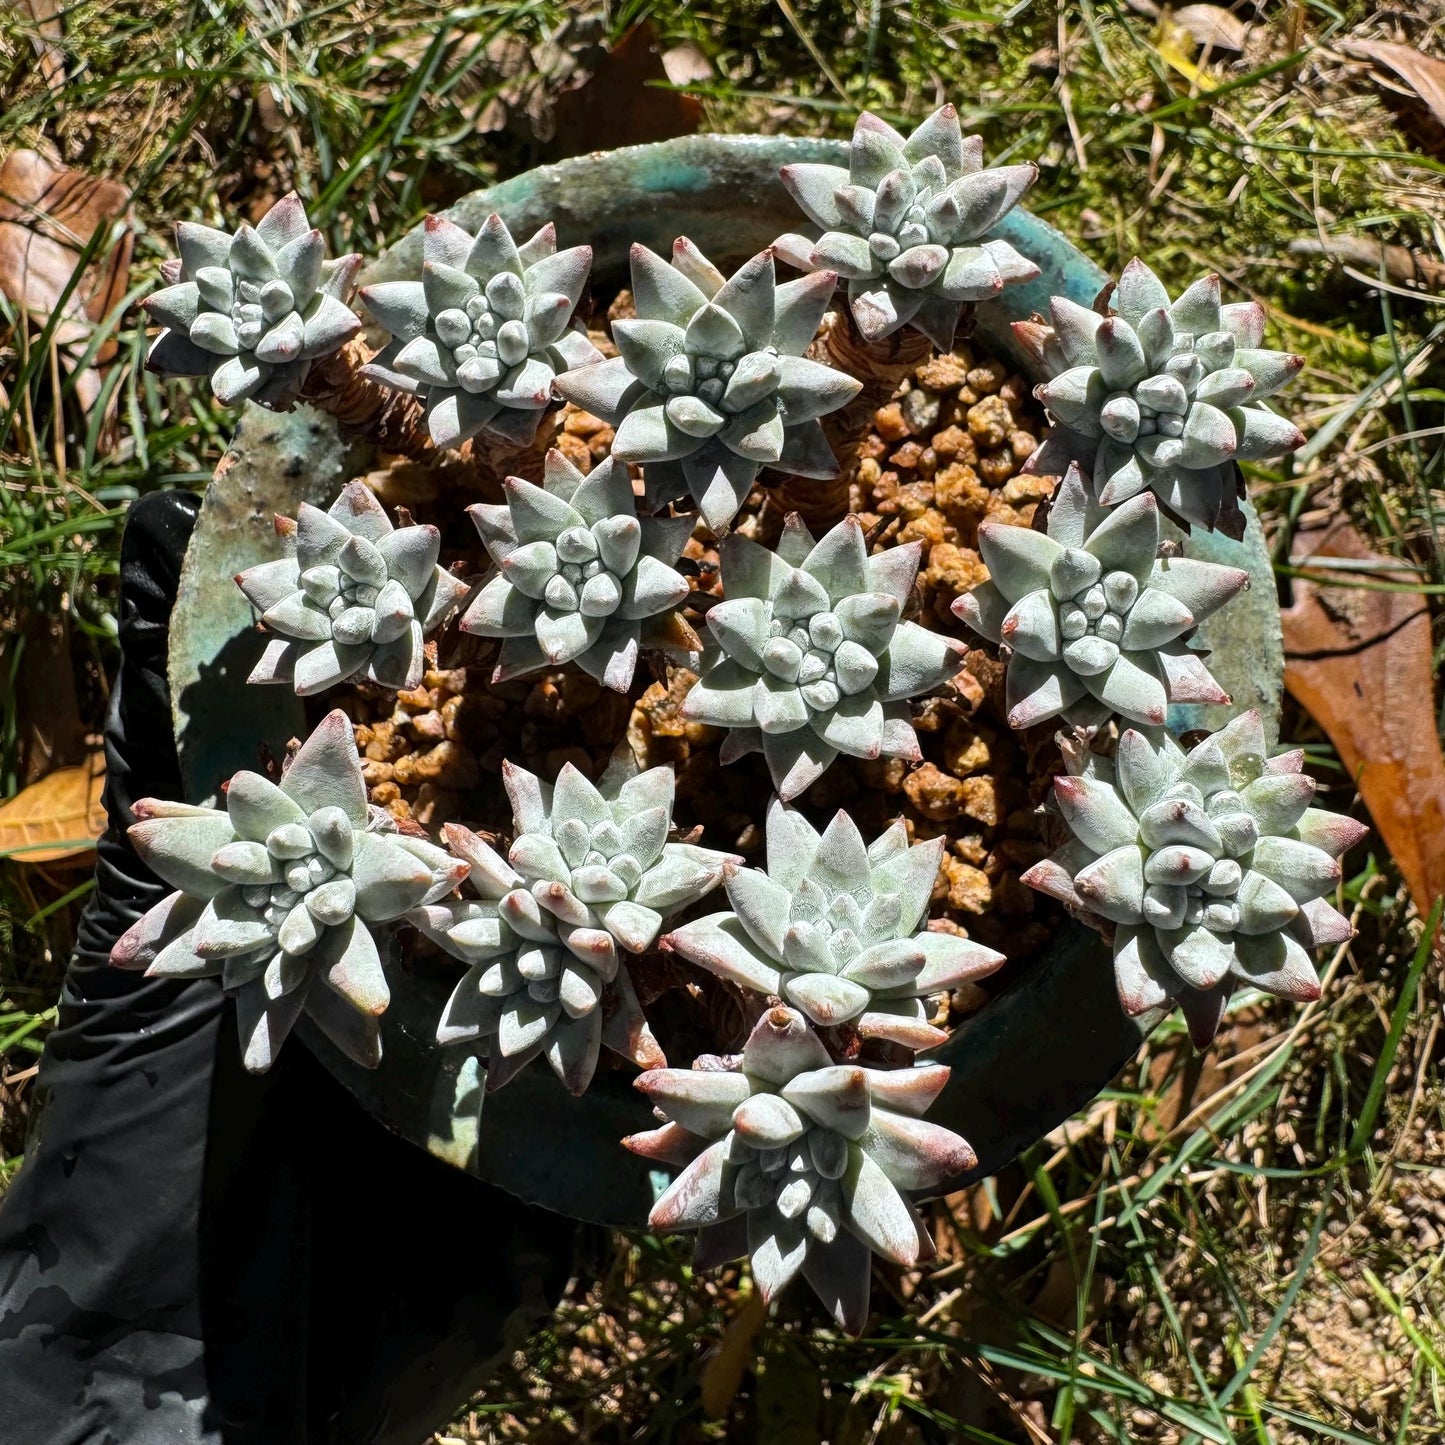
[{"x": 1037, "y": 1052}]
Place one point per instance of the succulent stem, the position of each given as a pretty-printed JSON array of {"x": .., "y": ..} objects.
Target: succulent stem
[
  {"x": 499, "y": 458},
  {"x": 880, "y": 365},
  {"x": 390, "y": 420},
  {"x": 393, "y": 421}
]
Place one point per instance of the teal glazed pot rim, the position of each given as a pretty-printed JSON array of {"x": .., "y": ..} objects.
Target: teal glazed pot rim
[{"x": 1040, "y": 1050}]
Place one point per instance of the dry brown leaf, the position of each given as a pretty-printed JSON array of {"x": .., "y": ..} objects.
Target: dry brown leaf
[
  {"x": 521, "y": 80},
  {"x": 48, "y": 37},
  {"x": 1212, "y": 25},
  {"x": 57, "y": 818},
  {"x": 1360, "y": 661},
  {"x": 626, "y": 99},
  {"x": 1424, "y": 74},
  {"x": 558, "y": 91},
  {"x": 733, "y": 1356},
  {"x": 47, "y": 217}
]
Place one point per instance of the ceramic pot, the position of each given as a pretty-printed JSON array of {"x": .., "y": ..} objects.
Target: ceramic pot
[{"x": 1036, "y": 1053}]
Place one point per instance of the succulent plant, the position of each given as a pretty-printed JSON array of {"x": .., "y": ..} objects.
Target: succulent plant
[
  {"x": 484, "y": 333},
  {"x": 810, "y": 658},
  {"x": 590, "y": 869},
  {"x": 1211, "y": 865},
  {"x": 1162, "y": 395},
  {"x": 803, "y": 1162},
  {"x": 580, "y": 578},
  {"x": 712, "y": 384},
  {"x": 352, "y": 597},
  {"x": 904, "y": 225},
  {"x": 252, "y": 310},
  {"x": 831, "y": 927},
  {"x": 278, "y": 893},
  {"x": 1098, "y": 623}
]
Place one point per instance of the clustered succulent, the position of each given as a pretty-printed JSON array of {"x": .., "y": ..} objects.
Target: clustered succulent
[
  {"x": 353, "y": 596},
  {"x": 904, "y": 225},
  {"x": 711, "y": 384},
  {"x": 1211, "y": 865},
  {"x": 1164, "y": 395},
  {"x": 278, "y": 892},
  {"x": 484, "y": 333},
  {"x": 1206, "y": 868},
  {"x": 799, "y": 1162},
  {"x": 832, "y": 928},
  {"x": 810, "y": 657},
  {"x": 589, "y": 870},
  {"x": 252, "y": 310},
  {"x": 580, "y": 578},
  {"x": 1097, "y": 622}
]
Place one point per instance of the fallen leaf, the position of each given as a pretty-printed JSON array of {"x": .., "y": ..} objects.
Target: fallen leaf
[
  {"x": 557, "y": 91},
  {"x": 1359, "y": 659},
  {"x": 732, "y": 1357},
  {"x": 1424, "y": 74},
  {"x": 526, "y": 79},
  {"x": 1212, "y": 25},
  {"x": 516, "y": 80},
  {"x": 48, "y": 216},
  {"x": 57, "y": 818},
  {"x": 626, "y": 99},
  {"x": 47, "y": 37}
]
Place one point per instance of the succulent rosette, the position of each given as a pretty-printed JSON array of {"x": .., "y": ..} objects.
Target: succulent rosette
[
  {"x": 277, "y": 894},
  {"x": 1162, "y": 395},
  {"x": 800, "y": 1163},
  {"x": 711, "y": 384},
  {"x": 590, "y": 871},
  {"x": 580, "y": 578},
  {"x": 904, "y": 225},
  {"x": 1211, "y": 865},
  {"x": 832, "y": 928},
  {"x": 484, "y": 333},
  {"x": 1097, "y": 623},
  {"x": 353, "y": 596},
  {"x": 252, "y": 310},
  {"x": 810, "y": 657}
]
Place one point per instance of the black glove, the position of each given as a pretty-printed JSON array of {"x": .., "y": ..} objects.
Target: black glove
[{"x": 191, "y": 1254}]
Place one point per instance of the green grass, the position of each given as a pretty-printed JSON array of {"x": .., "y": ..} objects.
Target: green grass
[{"x": 1226, "y": 1256}]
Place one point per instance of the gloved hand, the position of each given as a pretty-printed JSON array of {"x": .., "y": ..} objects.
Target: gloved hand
[{"x": 191, "y": 1254}]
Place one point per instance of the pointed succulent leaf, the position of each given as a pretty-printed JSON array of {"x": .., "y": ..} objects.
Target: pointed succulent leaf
[
  {"x": 712, "y": 376},
  {"x": 358, "y": 586},
  {"x": 1092, "y": 616},
  {"x": 574, "y": 561},
  {"x": 1164, "y": 396},
  {"x": 280, "y": 889},
  {"x": 802, "y": 647},
  {"x": 487, "y": 329},
  {"x": 258, "y": 341},
  {"x": 904, "y": 225},
  {"x": 1201, "y": 861},
  {"x": 806, "y": 1163}
]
